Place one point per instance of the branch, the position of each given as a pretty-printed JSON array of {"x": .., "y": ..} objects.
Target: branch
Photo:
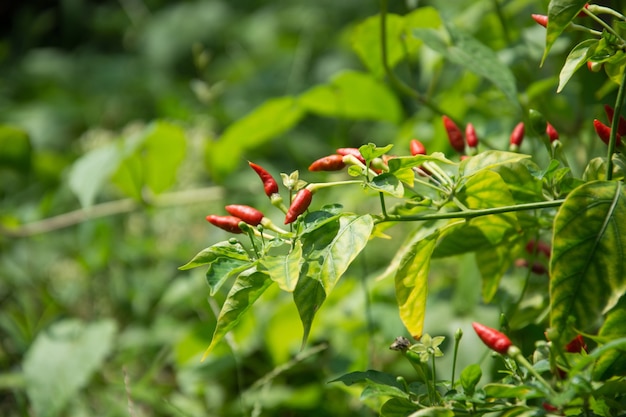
[{"x": 111, "y": 208}]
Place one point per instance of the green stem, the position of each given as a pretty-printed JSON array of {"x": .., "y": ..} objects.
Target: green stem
[
  {"x": 469, "y": 214},
  {"x": 313, "y": 187},
  {"x": 434, "y": 376},
  {"x": 382, "y": 204},
  {"x": 457, "y": 341},
  {"x": 516, "y": 354},
  {"x": 397, "y": 83},
  {"x": 502, "y": 20},
  {"x": 614, "y": 124},
  {"x": 601, "y": 23}
]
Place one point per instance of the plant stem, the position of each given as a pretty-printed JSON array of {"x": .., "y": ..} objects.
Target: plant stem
[
  {"x": 382, "y": 204},
  {"x": 614, "y": 124},
  {"x": 516, "y": 354},
  {"x": 457, "y": 340},
  {"x": 469, "y": 214},
  {"x": 397, "y": 83}
]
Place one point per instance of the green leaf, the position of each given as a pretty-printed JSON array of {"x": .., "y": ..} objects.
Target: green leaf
[
  {"x": 285, "y": 269},
  {"x": 308, "y": 296},
  {"x": 411, "y": 278},
  {"x": 366, "y": 37},
  {"x": 397, "y": 407},
  {"x": 371, "y": 151},
  {"x": 467, "y": 238},
  {"x": 353, "y": 95},
  {"x": 467, "y": 52},
  {"x": 493, "y": 262},
  {"x": 577, "y": 58},
  {"x": 62, "y": 359},
  {"x": 329, "y": 250},
  {"x": 248, "y": 287},
  {"x": 560, "y": 14},
  {"x": 272, "y": 118},
  {"x": 388, "y": 184},
  {"x": 222, "y": 269},
  {"x": 433, "y": 412},
  {"x": 220, "y": 249},
  {"x": 376, "y": 377},
  {"x": 613, "y": 362},
  {"x": 587, "y": 269},
  {"x": 489, "y": 160},
  {"x": 486, "y": 189},
  {"x": 470, "y": 376},
  {"x": 522, "y": 184},
  {"x": 495, "y": 390},
  {"x": 91, "y": 171},
  {"x": 403, "y": 162}
]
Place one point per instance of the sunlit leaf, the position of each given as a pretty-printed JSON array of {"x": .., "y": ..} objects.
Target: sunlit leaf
[
  {"x": 248, "y": 287},
  {"x": 493, "y": 262},
  {"x": 433, "y": 412},
  {"x": 489, "y": 160},
  {"x": 388, "y": 184},
  {"x": 353, "y": 95},
  {"x": 587, "y": 267},
  {"x": 91, "y": 172},
  {"x": 576, "y": 59},
  {"x": 330, "y": 250},
  {"x": 221, "y": 249},
  {"x": 411, "y": 278},
  {"x": 379, "y": 383},
  {"x": 62, "y": 359},
  {"x": 560, "y": 14},
  {"x": 483, "y": 190},
  {"x": 285, "y": 269},
  {"x": 510, "y": 391}
]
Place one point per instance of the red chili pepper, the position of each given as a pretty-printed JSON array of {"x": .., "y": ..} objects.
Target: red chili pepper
[
  {"x": 604, "y": 132},
  {"x": 539, "y": 247},
  {"x": 541, "y": 19},
  {"x": 455, "y": 136},
  {"x": 470, "y": 136},
  {"x": 517, "y": 136},
  {"x": 300, "y": 203},
  {"x": 621, "y": 126},
  {"x": 494, "y": 339},
  {"x": 269, "y": 183},
  {"x": 328, "y": 163},
  {"x": 228, "y": 223},
  {"x": 247, "y": 214},
  {"x": 417, "y": 147},
  {"x": 351, "y": 151},
  {"x": 552, "y": 132},
  {"x": 576, "y": 345}
]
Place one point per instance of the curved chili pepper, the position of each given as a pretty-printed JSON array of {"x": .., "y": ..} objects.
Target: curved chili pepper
[
  {"x": 455, "y": 136},
  {"x": 417, "y": 147},
  {"x": 604, "y": 132},
  {"x": 247, "y": 214},
  {"x": 328, "y": 163},
  {"x": 228, "y": 223},
  {"x": 269, "y": 183},
  {"x": 494, "y": 339},
  {"x": 300, "y": 203}
]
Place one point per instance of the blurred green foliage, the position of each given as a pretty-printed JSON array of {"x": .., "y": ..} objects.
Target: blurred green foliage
[{"x": 95, "y": 318}]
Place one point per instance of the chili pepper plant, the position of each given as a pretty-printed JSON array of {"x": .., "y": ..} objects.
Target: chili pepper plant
[{"x": 508, "y": 208}]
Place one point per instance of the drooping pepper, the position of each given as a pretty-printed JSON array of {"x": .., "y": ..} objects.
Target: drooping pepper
[
  {"x": 604, "y": 132},
  {"x": 247, "y": 214},
  {"x": 269, "y": 183},
  {"x": 228, "y": 223},
  {"x": 455, "y": 136},
  {"x": 494, "y": 339},
  {"x": 300, "y": 203},
  {"x": 621, "y": 127},
  {"x": 552, "y": 133},
  {"x": 328, "y": 163}
]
